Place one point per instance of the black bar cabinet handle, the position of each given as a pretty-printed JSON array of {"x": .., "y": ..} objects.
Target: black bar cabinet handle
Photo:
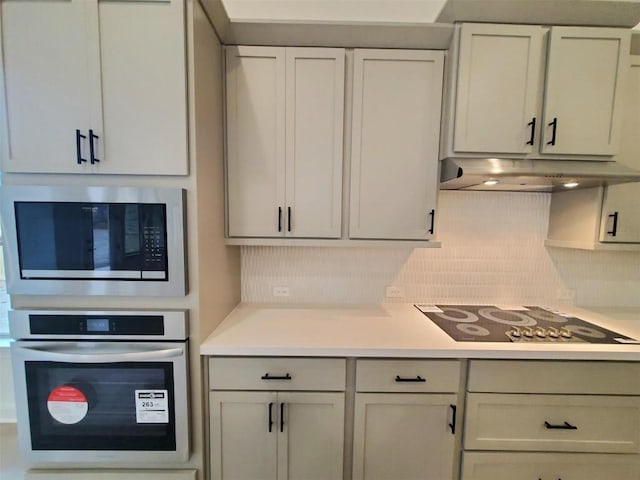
[
  {"x": 614, "y": 229},
  {"x": 279, "y": 219},
  {"x": 452, "y": 425},
  {"x": 553, "y": 124},
  {"x": 532, "y": 124},
  {"x": 92, "y": 151},
  {"x": 288, "y": 219},
  {"x": 417, "y": 379},
  {"x": 432, "y": 213},
  {"x": 79, "y": 138},
  {"x": 564, "y": 426},
  {"x": 270, "y": 416},
  {"x": 282, "y": 417},
  {"x": 266, "y": 376}
]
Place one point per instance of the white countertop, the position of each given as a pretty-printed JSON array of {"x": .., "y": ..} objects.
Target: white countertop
[{"x": 392, "y": 330}]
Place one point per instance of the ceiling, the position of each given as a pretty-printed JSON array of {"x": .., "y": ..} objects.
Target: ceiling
[{"x": 340, "y": 11}]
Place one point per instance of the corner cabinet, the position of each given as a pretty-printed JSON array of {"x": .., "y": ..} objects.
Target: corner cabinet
[
  {"x": 277, "y": 418},
  {"x": 503, "y": 100},
  {"x": 605, "y": 217},
  {"x": 285, "y": 109},
  {"x": 73, "y": 102},
  {"x": 397, "y": 96}
]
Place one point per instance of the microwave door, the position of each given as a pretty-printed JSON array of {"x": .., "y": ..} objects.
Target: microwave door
[{"x": 73, "y": 236}]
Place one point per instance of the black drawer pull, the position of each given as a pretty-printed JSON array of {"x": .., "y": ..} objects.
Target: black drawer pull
[
  {"x": 288, "y": 219},
  {"x": 432, "y": 214},
  {"x": 452, "y": 425},
  {"x": 614, "y": 229},
  {"x": 79, "y": 138},
  {"x": 417, "y": 379},
  {"x": 553, "y": 124},
  {"x": 266, "y": 376},
  {"x": 564, "y": 426},
  {"x": 279, "y": 219},
  {"x": 282, "y": 417},
  {"x": 270, "y": 416},
  {"x": 532, "y": 124}
]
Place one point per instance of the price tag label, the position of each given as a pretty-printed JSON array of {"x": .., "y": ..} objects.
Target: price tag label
[{"x": 152, "y": 406}]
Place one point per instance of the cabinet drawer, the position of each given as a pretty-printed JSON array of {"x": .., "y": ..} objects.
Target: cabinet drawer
[
  {"x": 274, "y": 373},
  {"x": 564, "y": 423},
  {"x": 614, "y": 378},
  {"x": 552, "y": 466},
  {"x": 408, "y": 376}
]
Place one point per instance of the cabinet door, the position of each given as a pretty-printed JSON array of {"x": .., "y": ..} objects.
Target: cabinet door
[
  {"x": 255, "y": 141},
  {"x": 314, "y": 125},
  {"x": 568, "y": 466},
  {"x": 243, "y": 435},
  {"x": 583, "y": 93},
  {"x": 52, "y": 83},
  {"x": 311, "y": 436},
  {"x": 622, "y": 202},
  {"x": 394, "y": 145},
  {"x": 144, "y": 97},
  {"x": 497, "y": 92},
  {"x": 403, "y": 436}
]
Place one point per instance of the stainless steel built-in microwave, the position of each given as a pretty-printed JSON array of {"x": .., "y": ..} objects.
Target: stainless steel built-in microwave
[{"x": 94, "y": 240}]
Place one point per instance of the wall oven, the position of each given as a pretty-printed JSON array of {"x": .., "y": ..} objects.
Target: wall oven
[
  {"x": 98, "y": 387},
  {"x": 94, "y": 240}
]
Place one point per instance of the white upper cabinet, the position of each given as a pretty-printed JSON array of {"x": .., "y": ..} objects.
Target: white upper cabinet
[
  {"x": 537, "y": 92},
  {"x": 94, "y": 87},
  {"x": 397, "y": 98},
  {"x": 497, "y": 92},
  {"x": 285, "y": 111},
  {"x": 583, "y": 94}
]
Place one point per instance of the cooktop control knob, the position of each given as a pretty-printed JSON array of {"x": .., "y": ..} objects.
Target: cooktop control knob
[
  {"x": 553, "y": 332},
  {"x": 515, "y": 332},
  {"x": 565, "y": 333},
  {"x": 528, "y": 332},
  {"x": 541, "y": 333}
]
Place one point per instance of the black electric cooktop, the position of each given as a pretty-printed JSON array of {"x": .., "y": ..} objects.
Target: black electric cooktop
[{"x": 488, "y": 323}]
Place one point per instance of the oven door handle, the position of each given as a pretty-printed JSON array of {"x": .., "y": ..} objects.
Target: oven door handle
[{"x": 80, "y": 355}]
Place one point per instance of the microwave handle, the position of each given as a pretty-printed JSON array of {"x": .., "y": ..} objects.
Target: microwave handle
[{"x": 72, "y": 355}]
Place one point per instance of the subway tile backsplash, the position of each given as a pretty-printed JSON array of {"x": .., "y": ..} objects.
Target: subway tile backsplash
[{"x": 492, "y": 252}]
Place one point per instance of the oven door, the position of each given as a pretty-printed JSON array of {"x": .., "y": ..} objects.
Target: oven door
[{"x": 89, "y": 402}]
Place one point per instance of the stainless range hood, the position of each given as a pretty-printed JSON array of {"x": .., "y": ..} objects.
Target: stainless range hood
[{"x": 530, "y": 175}]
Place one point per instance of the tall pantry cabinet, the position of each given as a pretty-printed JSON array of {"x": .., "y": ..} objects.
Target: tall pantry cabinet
[{"x": 95, "y": 87}]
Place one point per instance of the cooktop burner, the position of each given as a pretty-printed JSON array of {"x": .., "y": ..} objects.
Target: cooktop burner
[{"x": 486, "y": 323}]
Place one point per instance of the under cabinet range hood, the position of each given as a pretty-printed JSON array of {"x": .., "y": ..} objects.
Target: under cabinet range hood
[{"x": 531, "y": 175}]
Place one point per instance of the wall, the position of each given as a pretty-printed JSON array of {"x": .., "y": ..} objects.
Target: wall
[{"x": 492, "y": 252}]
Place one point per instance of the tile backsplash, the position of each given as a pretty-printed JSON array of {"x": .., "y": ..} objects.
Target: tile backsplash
[{"x": 492, "y": 252}]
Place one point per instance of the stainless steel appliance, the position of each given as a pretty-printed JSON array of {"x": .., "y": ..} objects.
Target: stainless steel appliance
[
  {"x": 94, "y": 240},
  {"x": 98, "y": 387},
  {"x": 488, "y": 323}
]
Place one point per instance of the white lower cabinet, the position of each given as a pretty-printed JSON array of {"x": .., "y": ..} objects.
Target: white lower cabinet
[
  {"x": 276, "y": 435},
  {"x": 549, "y": 466},
  {"x": 408, "y": 434}
]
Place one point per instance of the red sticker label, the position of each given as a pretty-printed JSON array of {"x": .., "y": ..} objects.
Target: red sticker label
[{"x": 67, "y": 404}]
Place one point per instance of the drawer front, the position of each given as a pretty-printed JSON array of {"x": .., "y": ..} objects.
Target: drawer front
[
  {"x": 563, "y": 423},
  {"x": 276, "y": 373},
  {"x": 549, "y": 466},
  {"x": 441, "y": 376},
  {"x": 603, "y": 378}
]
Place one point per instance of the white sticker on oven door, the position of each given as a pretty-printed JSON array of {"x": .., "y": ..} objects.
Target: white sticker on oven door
[
  {"x": 67, "y": 404},
  {"x": 152, "y": 406}
]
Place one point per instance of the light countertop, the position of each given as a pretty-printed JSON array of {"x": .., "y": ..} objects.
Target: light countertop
[{"x": 393, "y": 330}]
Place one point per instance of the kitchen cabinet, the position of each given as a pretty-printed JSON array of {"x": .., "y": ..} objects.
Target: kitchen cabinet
[
  {"x": 409, "y": 434},
  {"x": 285, "y": 111},
  {"x": 397, "y": 97},
  {"x": 605, "y": 217},
  {"x": 263, "y": 426},
  {"x": 73, "y": 102},
  {"x": 552, "y": 411},
  {"x": 537, "y": 92}
]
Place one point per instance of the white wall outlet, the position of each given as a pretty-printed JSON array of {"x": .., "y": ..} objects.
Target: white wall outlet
[
  {"x": 393, "y": 291},
  {"x": 280, "y": 291},
  {"x": 566, "y": 295}
]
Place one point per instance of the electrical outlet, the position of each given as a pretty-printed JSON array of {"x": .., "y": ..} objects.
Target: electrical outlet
[
  {"x": 280, "y": 291},
  {"x": 394, "y": 291},
  {"x": 566, "y": 295}
]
